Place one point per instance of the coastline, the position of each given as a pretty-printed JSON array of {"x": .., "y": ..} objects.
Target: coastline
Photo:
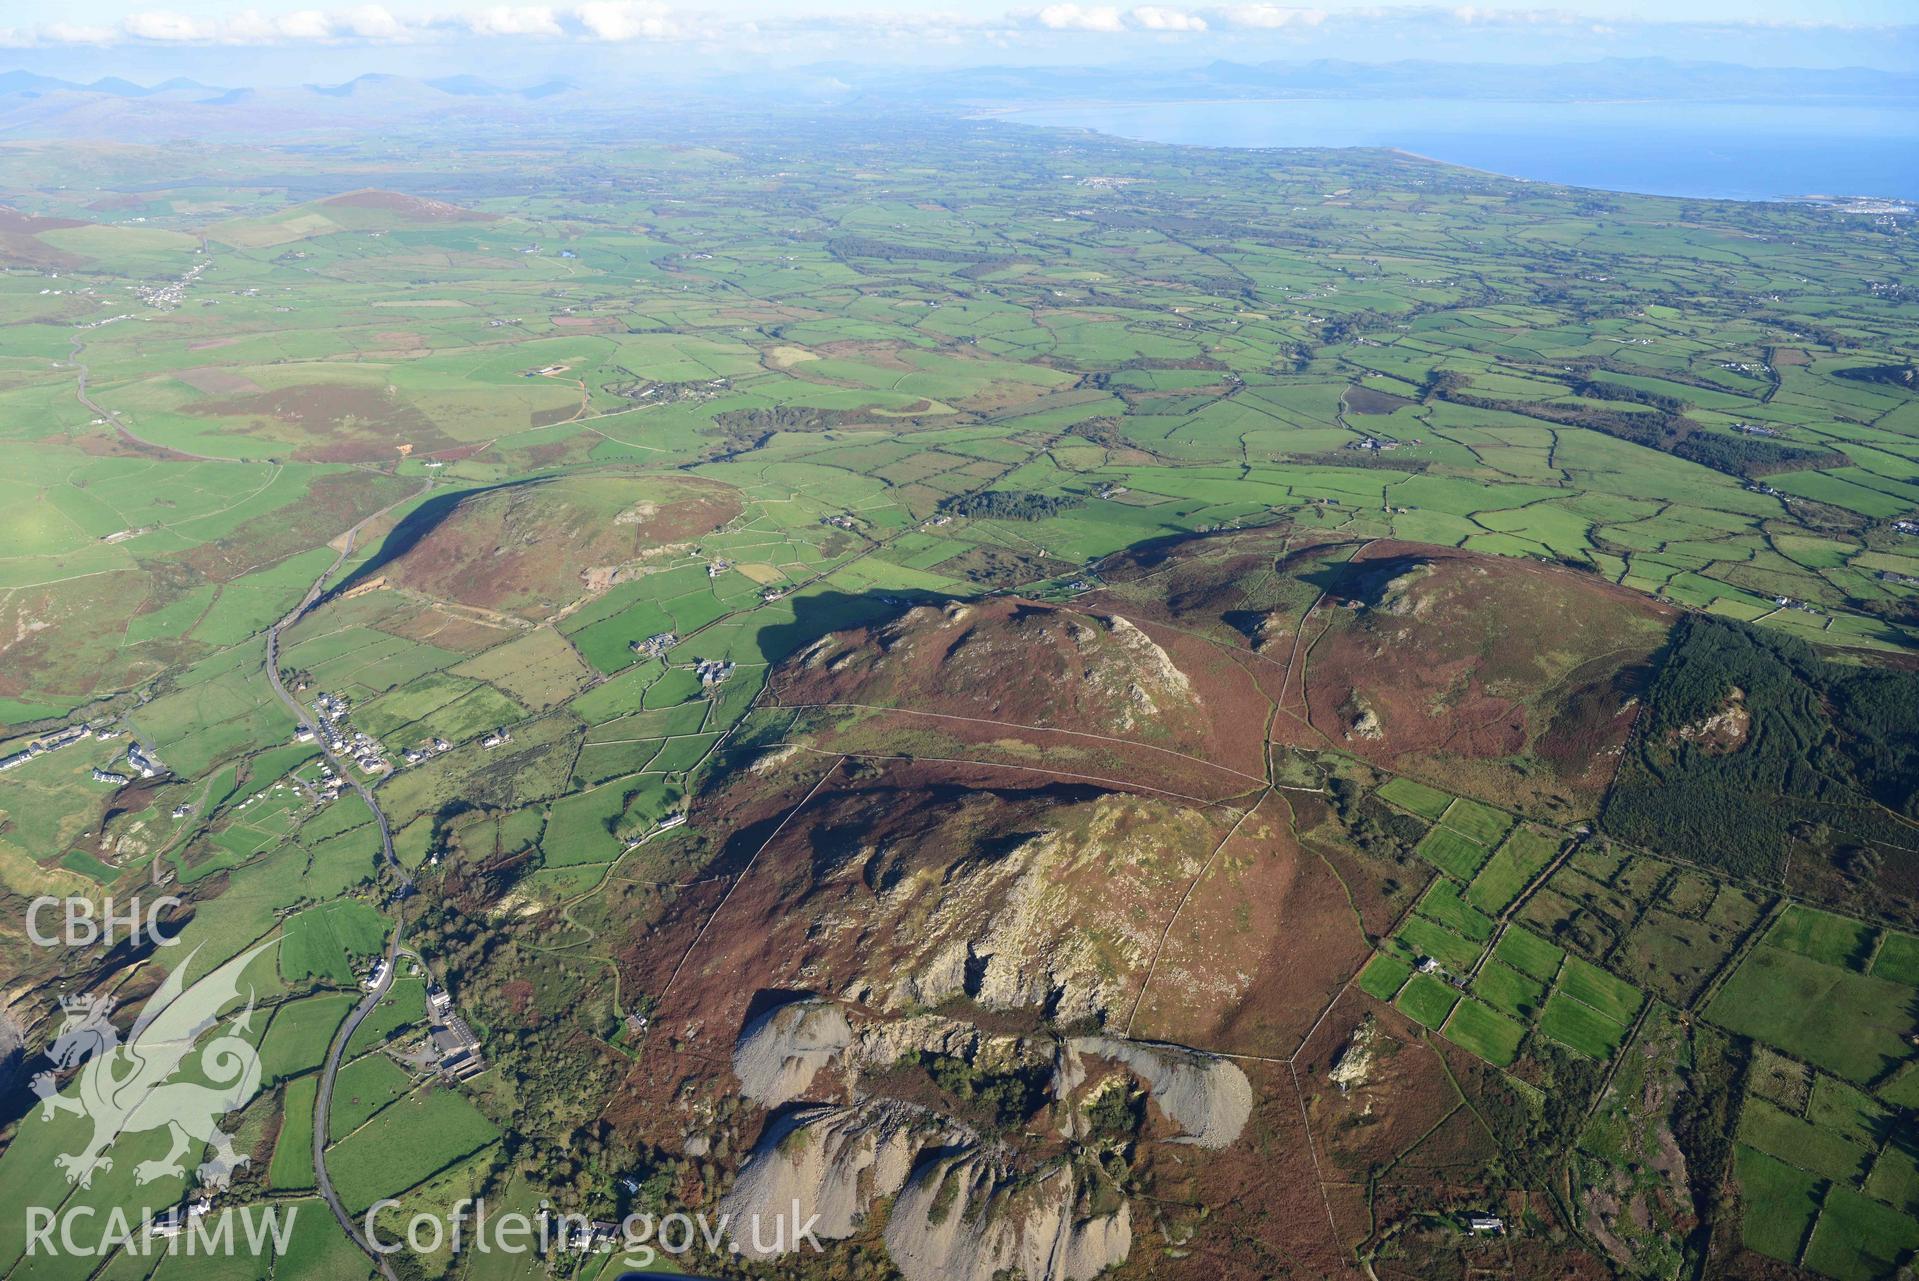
[{"x": 1808, "y": 180}]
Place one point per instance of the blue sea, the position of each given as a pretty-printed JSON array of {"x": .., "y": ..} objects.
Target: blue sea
[{"x": 1738, "y": 151}]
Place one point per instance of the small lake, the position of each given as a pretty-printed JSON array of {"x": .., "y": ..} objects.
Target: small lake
[{"x": 1739, "y": 151}]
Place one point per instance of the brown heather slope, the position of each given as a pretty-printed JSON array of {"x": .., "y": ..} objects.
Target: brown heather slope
[
  {"x": 1027, "y": 835},
  {"x": 404, "y": 208},
  {"x": 1088, "y": 693},
  {"x": 1501, "y": 677},
  {"x": 533, "y": 549}
]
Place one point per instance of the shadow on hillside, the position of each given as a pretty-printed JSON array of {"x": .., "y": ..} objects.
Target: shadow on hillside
[{"x": 414, "y": 527}]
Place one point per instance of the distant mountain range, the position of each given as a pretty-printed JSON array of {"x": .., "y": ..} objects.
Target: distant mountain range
[
  {"x": 42, "y": 106},
  {"x": 1610, "y": 79}
]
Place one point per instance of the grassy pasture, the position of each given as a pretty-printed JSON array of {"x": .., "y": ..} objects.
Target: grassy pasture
[
  {"x": 298, "y": 1037},
  {"x": 1778, "y": 1204},
  {"x": 1853, "y": 1025},
  {"x": 1427, "y": 1000},
  {"x": 405, "y": 1143},
  {"x": 1511, "y": 868},
  {"x": 1580, "y": 1027},
  {"x": 1427, "y": 802},
  {"x": 1529, "y": 954},
  {"x": 1484, "y": 1031},
  {"x": 1453, "y": 854},
  {"x": 325, "y": 942}
]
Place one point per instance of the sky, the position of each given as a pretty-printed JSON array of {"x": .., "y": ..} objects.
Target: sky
[{"x": 264, "y": 41}]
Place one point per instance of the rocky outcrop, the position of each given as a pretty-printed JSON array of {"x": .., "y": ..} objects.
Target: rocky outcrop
[
  {"x": 833, "y": 1162},
  {"x": 880, "y": 1043},
  {"x": 780, "y": 1052},
  {"x": 962, "y": 1211},
  {"x": 966, "y": 1217},
  {"x": 1208, "y": 1098},
  {"x": 1355, "y": 1063},
  {"x": 997, "y": 934}
]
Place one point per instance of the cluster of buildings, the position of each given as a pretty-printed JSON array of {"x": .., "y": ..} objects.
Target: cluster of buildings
[
  {"x": 1754, "y": 429},
  {"x": 1428, "y": 965},
  {"x": 342, "y": 740},
  {"x": 144, "y": 762},
  {"x": 712, "y": 671},
  {"x": 455, "y": 1049},
  {"x": 139, "y": 761},
  {"x": 840, "y": 522},
  {"x": 326, "y": 789},
  {"x": 169, "y": 296},
  {"x": 497, "y": 738},
  {"x": 655, "y": 645},
  {"x": 41, "y": 746},
  {"x": 172, "y": 1222},
  {"x": 433, "y": 747}
]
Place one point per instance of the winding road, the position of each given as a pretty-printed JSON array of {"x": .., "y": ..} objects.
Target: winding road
[{"x": 323, "y": 1096}]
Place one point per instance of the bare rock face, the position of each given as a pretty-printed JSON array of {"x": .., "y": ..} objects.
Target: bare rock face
[
  {"x": 780, "y": 1052},
  {"x": 962, "y": 1213},
  {"x": 965, "y": 1216},
  {"x": 964, "y": 1207},
  {"x": 884, "y": 1042},
  {"x": 1005, "y": 933},
  {"x": 1207, "y": 1097},
  {"x": 832, "y": 1162},
  {"x": 1355, "y": 1063}
]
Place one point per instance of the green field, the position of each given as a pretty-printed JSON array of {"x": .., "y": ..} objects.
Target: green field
[
  {"x": 1778, "y": 1204},
  {"x": 1482, "y": 1030},
  {"x": 1512, "y": 867},
  {"x": 1858, "y": 1239},
  {"x": 404, "y": 1144},
  {"x": 298, "y": 1037},
  {"x": 1529, "y": 954},
  {"x": 1424, "y": 801},
  {"x": 1384, "y": 975},
  {"x": 292, "y": 1163},
  {"x": 328, "y": 942},
  {"x": 1428, "y": 1000},
  {"x": 1580, "y": 1027},
  {"x": 1453, "y": 854},
  {"x": 1850, "y": 1024},
  {"x": 1510, "y": 991}
]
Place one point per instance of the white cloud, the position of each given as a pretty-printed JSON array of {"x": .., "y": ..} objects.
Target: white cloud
[
  {"x": 307, "y": 24},
  {"x": 1156, "y": 18},
  {"x": 616, "y": 21},
  {"x": 73, "y": 33},
  {"x": 627, "y": 20},
  {"x": 1073, "y": 17},
  {"x": 513, "y": 20},
  {"x": 371, "y": 22},
  {"x": 160, "y": 25},
  {"x": 1268, "y": 17}
]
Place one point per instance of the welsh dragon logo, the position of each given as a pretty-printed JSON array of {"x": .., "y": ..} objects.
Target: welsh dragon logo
[{"x": 155, "y": 1080}]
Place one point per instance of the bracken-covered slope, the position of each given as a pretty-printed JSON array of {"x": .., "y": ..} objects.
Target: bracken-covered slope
[
  {"x": 532, "y": 549},
  {"x": 1498, "y": 676}
]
